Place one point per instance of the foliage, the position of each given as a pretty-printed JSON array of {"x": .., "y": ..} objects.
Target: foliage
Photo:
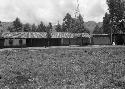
[
  {"x": 49, "y": 31},
  {"x": 64, "y": 28},
  {"x": 41, "y": 27},
  {"x": 10, "y": 29},
  {"x": 106, "y": 24},
  {"x": 0, "y": 24},
  {"x": 50, "y": 26},
  {"x": 78, "y": 25},
  {"x": 121, "y": 26},
  {"x": 34, "y": 28},
  {"x": 27, "y": 27},
  {"x": 58, "y": 28},
  {"x": 74, "y": 25},
  {"x": 97, "y": 30},
  {"x": 67, "y": 22},
  {"x": 86, "y": 30},
  {"x": 17, "y": 25},
  {"x": 116, "y": 11}
]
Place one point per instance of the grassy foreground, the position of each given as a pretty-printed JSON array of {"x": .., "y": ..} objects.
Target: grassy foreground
[{"x": 63, "y": 68}]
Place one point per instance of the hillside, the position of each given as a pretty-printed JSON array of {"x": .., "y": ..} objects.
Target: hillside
[
  {"x": 63, "y": 68},
  {"x": 90, "y": 25}
]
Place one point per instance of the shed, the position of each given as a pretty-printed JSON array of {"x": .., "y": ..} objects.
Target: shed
[{"x": 101, "y": 39}]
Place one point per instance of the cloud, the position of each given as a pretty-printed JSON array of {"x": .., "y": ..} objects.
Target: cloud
[
  {"x": 94, "y": 10},
  {"x": 34, "y": 11}
]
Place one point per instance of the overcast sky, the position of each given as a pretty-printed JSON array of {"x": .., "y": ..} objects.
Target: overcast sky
[{"x": 34, "y": 11}]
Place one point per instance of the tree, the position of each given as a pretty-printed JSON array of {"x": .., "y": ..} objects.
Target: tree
[
  {"x": 79, "y": 25},
  {"x": 27, "y": 27},
  {"x": 97, "y": 30},
  {"x": 67, "y": 23},
  {"x": 86, "y": 30},
  {"x": 116, "y": 11},
  {"x": 41, "y": 27},
  {"x": 121, "y": 26},
  {"x": 74, "y": 25},
  {"x": 58, "y": 28},
  {"x": 10, "y": 29},
  {"x": 0, "y": 24},
  {"x": 49, "y": 30},
  {"x": 17, "y": 25},
  {"x": 34, "y": 28},
  {"x": 64, "y": 28},
  {"x": 50, "y": 26},
  {"x": 106, "y": 24}
]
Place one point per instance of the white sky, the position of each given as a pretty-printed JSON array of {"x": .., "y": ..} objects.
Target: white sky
[{"x": 34, "y": 11}]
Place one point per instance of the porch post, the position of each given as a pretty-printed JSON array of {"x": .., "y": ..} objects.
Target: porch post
[
  {"x": 61, "y": 41},
  {"x": 69, "y": 42},
  {"x": 90, "y": 40},
  {"x": 82, "y": 41}
]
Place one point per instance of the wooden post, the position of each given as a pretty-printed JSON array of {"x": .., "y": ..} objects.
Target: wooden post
[
  {"x": 31, "y": 42},
  {"x": 69, "y": 42},
  {"x": 90, "y": 40},
  {"x": 21, "y": 43},
  {"x": 111, "y": 35},
  {"x": 61, "y": 41},
  {"x": 82, "y": 41}
]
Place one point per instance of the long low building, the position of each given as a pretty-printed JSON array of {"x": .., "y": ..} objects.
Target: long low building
[{"x": 39, "y": 39}]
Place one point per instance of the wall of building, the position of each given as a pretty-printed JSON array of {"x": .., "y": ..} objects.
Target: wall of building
[
  {"x": 101, "y": 40},
  {"x": 14, "y": 42}
]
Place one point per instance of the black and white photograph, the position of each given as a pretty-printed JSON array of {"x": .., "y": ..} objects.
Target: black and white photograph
[{"x": 62, "y": 44}]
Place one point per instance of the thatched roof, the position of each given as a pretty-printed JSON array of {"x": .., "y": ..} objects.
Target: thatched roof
[
  {"x": 86, "y": 35},
  {"x": 69, "y": 35},
  {"x": 24, "y": 35},
  {"x": 61, "y": 35},
  {"x": 43, "y": 35}
]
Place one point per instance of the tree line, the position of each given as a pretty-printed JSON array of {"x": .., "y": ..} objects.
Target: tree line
[
  {"x": 18, "y": 26},
  {"x": 70, "y": 24}
]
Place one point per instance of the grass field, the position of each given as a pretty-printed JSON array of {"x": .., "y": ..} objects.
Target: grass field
[{"x": 94, "y": 67}]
